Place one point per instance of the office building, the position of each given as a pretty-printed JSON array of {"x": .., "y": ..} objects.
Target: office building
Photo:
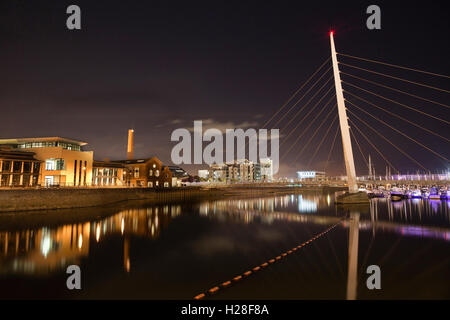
[
  {"x": 18, "y": 168},
  {"x": 64, "y": 163}
]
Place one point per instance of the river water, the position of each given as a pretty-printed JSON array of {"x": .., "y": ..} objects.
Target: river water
[{"x": 177, "y": 251}]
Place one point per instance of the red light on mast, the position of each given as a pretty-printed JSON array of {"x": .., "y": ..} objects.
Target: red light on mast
[{"x": 331, "y": 33}]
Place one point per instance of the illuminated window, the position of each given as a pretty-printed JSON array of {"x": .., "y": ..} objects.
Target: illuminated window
[
  {"x": 136, "y": 172},
  {"x": 150, "y": 173},
  {"x": 54, "y": 164},
  {"x": 50, "y": 165},
  {"x": 157, "y": 173},
  {"x": 166, "y": 184}
]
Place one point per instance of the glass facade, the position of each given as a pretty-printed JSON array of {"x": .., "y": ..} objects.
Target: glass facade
[
  {"x": 105, "y": 176},
  {"x": 5, "y": 180},
  {"x": 54, "y": 164},
  {"x": 6, "y": 167},
  {"x": 46, "y": 144}
]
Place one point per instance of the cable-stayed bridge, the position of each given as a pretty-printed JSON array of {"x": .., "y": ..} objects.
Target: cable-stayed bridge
[{"x": 396, "y": 118}]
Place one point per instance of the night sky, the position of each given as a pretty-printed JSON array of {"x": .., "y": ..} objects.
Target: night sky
[{"x": 159, "y": 65}]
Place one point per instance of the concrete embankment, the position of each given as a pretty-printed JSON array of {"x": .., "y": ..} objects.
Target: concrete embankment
[{"x": 45, "y": 199}]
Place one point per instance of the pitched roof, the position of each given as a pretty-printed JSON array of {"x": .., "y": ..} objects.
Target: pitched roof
[
  {"x": 135, "y": 161},
  {"x": 178, "y": 172}
]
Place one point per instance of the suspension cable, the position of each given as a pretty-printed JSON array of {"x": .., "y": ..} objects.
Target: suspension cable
[
  {"x": 331, "y": 149},
  {"x": 394, "y": 65},
  {"x": 314, "y": 95},
  {"x": 387, "y": 87},
  {"x": 309, "y": 125},
  {"x": 309, "y": 112},
  {"x": 314, "y": 134},
  {"x": 367, "y": 139},
  {"x": 321, "y": 141},
  {"x": 398, "y": 131},
  {"x": 301, "y": 98},
  {"x": 296, "y": 92},
  {"x": 403, "y": 152},
  {"x": 396, "y": 102},
  {"x": 396, "y": 78},
  {"x": 359, "y": 147},
  {"x": 396, "y": 115}
]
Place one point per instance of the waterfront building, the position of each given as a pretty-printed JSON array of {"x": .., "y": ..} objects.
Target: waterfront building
[
  {"x": 241, "y": 171},
  {"x": 107, "y": 173},
  {"x": 147, "y": 172},
  {"x": 311, "y": 175},
  {"x": 266, "y": 167},
  {"x": 179, "y": 176},
  {"x": 217, "y": 172},
  {"x": 64, "y": 163},
  {"x": 203, "y": 174},
  {"x": 18, "y": 168}
]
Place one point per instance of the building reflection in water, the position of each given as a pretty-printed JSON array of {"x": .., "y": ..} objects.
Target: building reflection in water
[
  {"x": 298, "y": 203},
  {"x": 40, "y": 251},
  {"x": 306, "y": 206},
  {"x": 403, "y": 217}
]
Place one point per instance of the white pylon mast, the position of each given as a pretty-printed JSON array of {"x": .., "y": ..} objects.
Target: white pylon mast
[{"x": 343, "y": 121}]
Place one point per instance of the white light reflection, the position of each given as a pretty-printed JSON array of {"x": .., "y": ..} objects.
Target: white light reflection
[{"x": 306, "y": 206}]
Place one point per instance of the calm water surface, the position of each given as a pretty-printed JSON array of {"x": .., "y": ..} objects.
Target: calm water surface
[{"x": 177, "y": 251}]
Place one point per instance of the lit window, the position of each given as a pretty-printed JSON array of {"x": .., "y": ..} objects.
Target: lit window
[
  {"x": 154, "y": 165},
  {"x": 150, "y": 173},
  {"x": 50, "y": 165},
  {"x": 157, "y": 173}
]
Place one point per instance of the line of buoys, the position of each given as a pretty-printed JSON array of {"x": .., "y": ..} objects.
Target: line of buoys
[{"x": 265, "y": 264}]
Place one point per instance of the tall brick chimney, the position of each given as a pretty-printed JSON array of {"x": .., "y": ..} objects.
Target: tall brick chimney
[{"x": 130, "y": 148}]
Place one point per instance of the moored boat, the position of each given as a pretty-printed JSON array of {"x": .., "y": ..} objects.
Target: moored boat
[
  {"x": 445, "y": 195},
  {"x": 397, "y": 194},
  {"x": 378, "y": 193},
  {"x": 416, "y": 194},
  {"x": 434, "y": 194},
  {"x": 407, "y": 194}
]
